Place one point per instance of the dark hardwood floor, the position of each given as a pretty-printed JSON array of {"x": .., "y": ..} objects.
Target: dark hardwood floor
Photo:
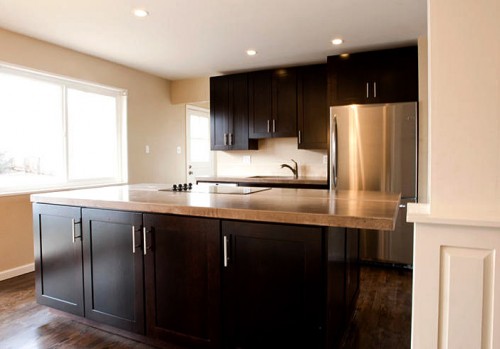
[
  {"x": 382, "y": 318},
  {"x": 26, "y": 324}
]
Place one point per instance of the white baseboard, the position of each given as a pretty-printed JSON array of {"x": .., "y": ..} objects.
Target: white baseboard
[{"x": 23, "y": 269}]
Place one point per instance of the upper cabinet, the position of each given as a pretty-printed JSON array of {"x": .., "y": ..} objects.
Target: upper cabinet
[
  {"x": 273, "y": 103},
  {"x": 374, "y": 77},
  {"x": 229, "y": 113},
  {"x": 312, "y": 107}
]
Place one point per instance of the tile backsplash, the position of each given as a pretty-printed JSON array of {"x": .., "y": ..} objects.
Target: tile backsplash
[{"x": 268, "y": 159}]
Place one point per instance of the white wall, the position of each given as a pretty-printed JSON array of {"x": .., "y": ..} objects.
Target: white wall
[
  {"x": 456, "y": 291},
  {"x": 464, "y": 49}
]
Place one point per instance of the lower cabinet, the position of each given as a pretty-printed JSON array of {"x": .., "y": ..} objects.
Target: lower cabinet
[
  {"x": 113, "y": 268},
  {"x": 272, "y": 286},
  {"x": 58, "y": 248},
  {"x": 198, "y": 282},
  {"x": 352, "y": 268},
  {"x": 182, "y": 265}
]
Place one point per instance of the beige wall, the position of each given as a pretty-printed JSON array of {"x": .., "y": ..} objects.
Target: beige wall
[
  {"x": 152, "y": 120},
  {"x": 16, "y": 232},
  {"x": 189, "y": 91}
]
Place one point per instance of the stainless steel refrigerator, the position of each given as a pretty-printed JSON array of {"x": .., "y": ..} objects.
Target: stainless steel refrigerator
[{"x": 374, "y": 147}]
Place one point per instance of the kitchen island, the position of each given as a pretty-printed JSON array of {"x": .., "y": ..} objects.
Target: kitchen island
[{"x": 274, "y": 268}]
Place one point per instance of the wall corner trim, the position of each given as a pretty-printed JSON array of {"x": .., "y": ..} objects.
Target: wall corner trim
[{"x": 23, "y": 269}]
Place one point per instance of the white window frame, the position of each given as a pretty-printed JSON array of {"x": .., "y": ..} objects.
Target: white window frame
[{"x": 85, "y": 86}]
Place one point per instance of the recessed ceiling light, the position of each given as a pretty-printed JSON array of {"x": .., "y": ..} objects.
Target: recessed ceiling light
[
  {"x": 337, "y": 41},
  {"x": 139, "y": 12},
  {"x": 251, "y": 52}
]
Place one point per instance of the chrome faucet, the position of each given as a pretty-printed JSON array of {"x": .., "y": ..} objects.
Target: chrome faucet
[{"x": 294, "y": 170}]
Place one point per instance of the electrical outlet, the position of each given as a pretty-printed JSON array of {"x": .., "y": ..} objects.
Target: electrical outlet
[
  {"x": 247, "y": 160},
  {"x": 147, "y": 149},
  {"x": 178, "y": 149},
  {"x": 325, "y": 159}
]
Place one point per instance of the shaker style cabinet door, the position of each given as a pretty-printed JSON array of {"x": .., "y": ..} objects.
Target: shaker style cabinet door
[
  {"x": 285, "y": 102},
  {"x": 383, "y": 76},
  {"x": 113, "y": 264},
  {"x": 183, "y": 279},
  {"x": 260, "y": 104},
  {"x": 219, "y": 112},
  {"x": 229, "y": 113},
  {"x": 397, "y": 75},
  {"x": 272, "y": 286},
  {"x": 312, "y": 113},
  {"x": 273, "y": 103},
  {"x": 58, "y": 257}
]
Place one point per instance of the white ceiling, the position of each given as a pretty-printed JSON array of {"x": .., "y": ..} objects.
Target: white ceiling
[{"x": 192, "y": 38}]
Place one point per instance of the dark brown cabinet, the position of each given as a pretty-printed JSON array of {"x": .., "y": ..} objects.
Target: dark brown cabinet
[
  {"x": 229, "y": 113},
  {"x": 58, "y": 257},
  {"x": 272, "y": 286},
  {"x": 273, "y": 103},
  {"x": 342, "y": 280},
  {"x": 113, "y": 268},
  {"x": 352, "y": 269},
  {"x": 199, "y": 282},
  {"x": 374, "y": 77},
  {"x": 312, "y": 107},
  {"x": 183, "y": 279}
]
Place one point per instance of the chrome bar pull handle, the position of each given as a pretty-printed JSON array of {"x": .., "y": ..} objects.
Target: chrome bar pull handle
[
  {"x": 300, "y": 137},
  {"x": 268, "y": 126},
  {"x": 133, "y": 239},
  {"x": 225, "y": 138},
  {"x": 274, "y": 126},
  {"x": 374, "y": 89},
  {"x": 73, "y": 230},
  {"x": 225, "y": 251},
  {"x": 230, "y": 139},
  {"x": 333, "y": 153},
  {"x": 367, "y": 90},
  {"x": 144, "y": 240}
]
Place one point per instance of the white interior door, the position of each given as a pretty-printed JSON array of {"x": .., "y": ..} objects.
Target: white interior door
[{"x": 200, "y": 159}]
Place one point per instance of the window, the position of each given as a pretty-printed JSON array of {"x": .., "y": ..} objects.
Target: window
[{"x": 59, "y": 133}]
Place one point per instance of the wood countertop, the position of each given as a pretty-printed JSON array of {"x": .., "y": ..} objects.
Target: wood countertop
[
  {"x": 351, "y": 209},
  {"x": 266, "y": 179}
]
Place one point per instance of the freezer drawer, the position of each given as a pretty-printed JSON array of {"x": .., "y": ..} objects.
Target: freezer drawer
[{"x": 389, "y": 246}]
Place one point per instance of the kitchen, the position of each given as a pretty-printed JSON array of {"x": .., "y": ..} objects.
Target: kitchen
[{"x": 449, "y": 176}]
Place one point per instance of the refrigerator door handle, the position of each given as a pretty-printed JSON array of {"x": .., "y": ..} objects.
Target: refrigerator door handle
[{"x": 334, "y": 154}]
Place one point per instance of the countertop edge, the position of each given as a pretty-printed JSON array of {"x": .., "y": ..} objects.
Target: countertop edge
[{"x": 365, "y": 222}]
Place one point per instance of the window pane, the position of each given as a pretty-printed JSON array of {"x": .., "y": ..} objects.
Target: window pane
[
  {"x": 200, "y": 150},
  {"x": 199, "y": 127},
  {"x": 31, "y": 132},
  {"x": 92, "y": 135}
]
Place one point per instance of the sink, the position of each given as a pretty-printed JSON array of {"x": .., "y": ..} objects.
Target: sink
[{"x": 272, "y": 177}]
